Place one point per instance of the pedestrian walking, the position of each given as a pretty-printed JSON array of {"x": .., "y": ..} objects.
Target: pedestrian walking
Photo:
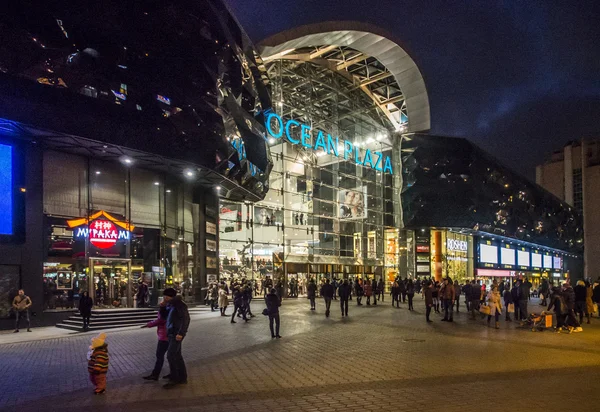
[
  {"x": 21, "y": 304},
  {"x": 569, "y": 298},
  {"x": 214, "y": 297},
  {"x": 448, "y": 296},
  {"x": 466, "y": 291},
  {"x": 163, "y": 341},
  {"x": 359, "y": 292},
  {"x": 395, "y": 292},
  {"x": 85, "y": 309},
  {"x": 223, "y": 300},
  {"x": 588, "y": 301},
  {"x": 508, "y": 301},
  {"x": 142, "y": 297},
  {"x": 435, "y": 292},
  {"x": 344, "y": 292},
  {"x": 544, "y": 290},
  {"x": 335, "y": 285},
  {"x": 273, "y": 303},
  {"x": 457, "y": 292},
  {"x": 97, "y": 358},
  {"x": 327, "y": 294},
  {"x": 580, "y": 300},
  {"x": 428, "y": 295},
  {"x": 311, "y": 291},
  {"x": 410, "y": 294},
  {"x": 381, "y": 289},
  {"x": 495, "y": 304},
  {"x": 524, "y": 292},
  {"x": 368, "y": 290},
  {"x": 238, "y": 304},
  {"x": 178, "y": 322},
  {"x": 475, "y": 297},
  {"x": 402, "y": 286},
  {"x": 557, "y": 303}
]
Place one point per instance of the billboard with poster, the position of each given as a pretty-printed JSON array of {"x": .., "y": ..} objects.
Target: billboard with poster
[
  {"x": 267, "y": 216},
  {"x": 352, "y": 203}
]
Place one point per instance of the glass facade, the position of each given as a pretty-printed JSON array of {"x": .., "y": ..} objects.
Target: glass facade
[
  {"x": 155, "y": 220},
  {"x": 324, "y": 215}
]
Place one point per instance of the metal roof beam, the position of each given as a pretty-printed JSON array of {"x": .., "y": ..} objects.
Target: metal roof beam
[{"x": 322, "y": 51}]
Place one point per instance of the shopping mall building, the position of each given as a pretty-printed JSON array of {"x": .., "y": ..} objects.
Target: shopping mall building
[{"x": 180, "y": 154}]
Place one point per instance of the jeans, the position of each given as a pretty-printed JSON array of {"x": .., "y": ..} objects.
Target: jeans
[
  {"x": 86, "y": 321},
  {"x": 474, "y": 307},
  {"x": 457, "y": 303},
  {"x": 236, "y": 309},
  {"x": 161, "y": 349},
  {"x": 410, "y": 302},
  {"x": 344, "y": 306},
  {"x": 327, "y": 305},
  {"x": 428, "y": 312},
  {"x": 523, "y": 309},
  {"x": 368, "y": 300},
  {"x": 177, "y": 368},
  {"x": 396, "y": 299},
  {"x": 274, "y": 317},
  {"x": 22, "y": 314},
  {"x": 497, "y": 316},
  {"x": 448, "y": 309},
  {"x": 312, "y": 302}
]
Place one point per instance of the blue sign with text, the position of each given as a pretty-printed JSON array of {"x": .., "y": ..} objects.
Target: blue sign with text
[
  {"x": 6, "y": 191},
  {"x": 300, "y": 134}
]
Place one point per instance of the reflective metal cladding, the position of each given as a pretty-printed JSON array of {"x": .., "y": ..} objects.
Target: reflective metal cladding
[
  {"x": 178, "y": 79},
  {"x": 449, "y": 182}
]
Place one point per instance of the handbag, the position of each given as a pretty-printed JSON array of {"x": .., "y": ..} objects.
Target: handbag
[
  {"x": 511, "y": 308},
  {"x": 265, "y": 312},
  {"x": 485, "y": 310},
  {"x": 595, "y": 308}
]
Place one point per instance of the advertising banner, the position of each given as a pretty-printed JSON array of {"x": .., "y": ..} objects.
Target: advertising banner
[{"x": 353, "y": 203}]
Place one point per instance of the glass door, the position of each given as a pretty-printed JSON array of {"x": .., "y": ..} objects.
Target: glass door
[{"x": 111, "y": 285}]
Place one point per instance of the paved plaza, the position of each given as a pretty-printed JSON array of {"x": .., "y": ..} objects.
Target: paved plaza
[{"x": 380, "y": 358}]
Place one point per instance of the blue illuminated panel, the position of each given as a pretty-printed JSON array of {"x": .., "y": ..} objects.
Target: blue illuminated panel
[{"x": 6, "y": 195}]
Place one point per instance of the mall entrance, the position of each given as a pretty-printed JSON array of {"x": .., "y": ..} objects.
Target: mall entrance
[{"x": 111, "y": 285}]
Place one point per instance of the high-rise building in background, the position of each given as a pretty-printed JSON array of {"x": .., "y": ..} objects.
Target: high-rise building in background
[{"x": 573, "y": 175}]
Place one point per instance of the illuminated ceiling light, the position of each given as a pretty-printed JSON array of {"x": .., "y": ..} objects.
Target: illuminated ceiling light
[
  {"x": 97, "y": 172},
  {"x": 218, "y": 187},
  {"x": 369, "y": 140},
  {"x": 127, "y": 160},
  {"x": 280, "y": 103},
  {"x": 156, "y": 183},
  {"x": 168, "y": 190},
  {"x": 189, "y": 173},
  {"x": 272, "y": 141}
]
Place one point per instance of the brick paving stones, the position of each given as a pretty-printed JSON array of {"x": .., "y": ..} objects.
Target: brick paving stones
[{"x": 380, "y": 358}]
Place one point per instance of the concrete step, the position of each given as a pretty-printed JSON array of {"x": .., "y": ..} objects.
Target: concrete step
[{"x": 79, "y": 328}]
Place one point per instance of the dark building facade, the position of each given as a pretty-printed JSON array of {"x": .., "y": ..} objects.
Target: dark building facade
[
  {"x": 117, "y": 127},
  {"x": 452, "y": 186}
]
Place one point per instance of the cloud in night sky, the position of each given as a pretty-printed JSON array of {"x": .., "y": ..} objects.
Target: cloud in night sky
[{"x": 519, "y": 79}]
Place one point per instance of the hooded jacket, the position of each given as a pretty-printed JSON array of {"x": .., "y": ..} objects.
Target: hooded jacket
[
  {"x": 178, "y": 319},
  {"x": 98, "y": 356}
]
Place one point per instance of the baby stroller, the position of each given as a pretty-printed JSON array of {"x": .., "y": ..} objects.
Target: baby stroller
[{"x": 538, "y": 323}]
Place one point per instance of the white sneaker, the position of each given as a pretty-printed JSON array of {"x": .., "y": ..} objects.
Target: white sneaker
[{"x": 578, "y": 329}]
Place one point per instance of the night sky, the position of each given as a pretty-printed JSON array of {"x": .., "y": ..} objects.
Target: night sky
[{"x": 518, "y": 78}]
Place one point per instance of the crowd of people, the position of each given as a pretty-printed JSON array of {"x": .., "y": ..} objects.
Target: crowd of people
[{"x": 570, "y": 305}]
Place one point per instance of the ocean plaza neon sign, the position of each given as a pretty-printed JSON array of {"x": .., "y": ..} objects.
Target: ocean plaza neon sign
[{"x": 277, "y": 128}]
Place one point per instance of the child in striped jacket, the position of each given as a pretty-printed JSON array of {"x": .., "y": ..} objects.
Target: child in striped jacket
[{"x": 98, "y": 363}]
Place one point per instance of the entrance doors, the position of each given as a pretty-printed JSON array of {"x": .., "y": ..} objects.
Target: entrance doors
[{"x": 111, "y": 283}]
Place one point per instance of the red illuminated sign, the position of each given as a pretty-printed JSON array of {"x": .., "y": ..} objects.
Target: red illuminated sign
[
  {"x": 102, "y": 229},
  {"x": 103, "y": 234}
]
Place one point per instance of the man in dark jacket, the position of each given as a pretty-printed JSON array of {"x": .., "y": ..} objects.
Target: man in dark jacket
[
  {"x": 569, "y": 299},
  {"x": 273, "y": 304},
  {"x": 524, "y": 298},
  {"x": 475, "y": 297},
  {"x": 381, "y": 289},
  {"x": 580, "y": 296},
  {"x": 311, "y": 291},
  {"x": 344, "y": 294},
  {"x": 327, "y": 293},
  {"x": 178, "y": 321},
  {"x": 428, "y": 294},
  {"x": 515, "y": 293},
  {"x": 466, "y": 290},
  {"x": 508, "y": 299},
  {"x": 544, "y": 290}
]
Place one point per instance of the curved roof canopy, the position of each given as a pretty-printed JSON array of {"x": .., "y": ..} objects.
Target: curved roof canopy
[{"x": 368, "y": 56}]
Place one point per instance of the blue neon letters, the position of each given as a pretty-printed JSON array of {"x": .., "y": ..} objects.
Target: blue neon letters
[{"x": 327, "y": 143}]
